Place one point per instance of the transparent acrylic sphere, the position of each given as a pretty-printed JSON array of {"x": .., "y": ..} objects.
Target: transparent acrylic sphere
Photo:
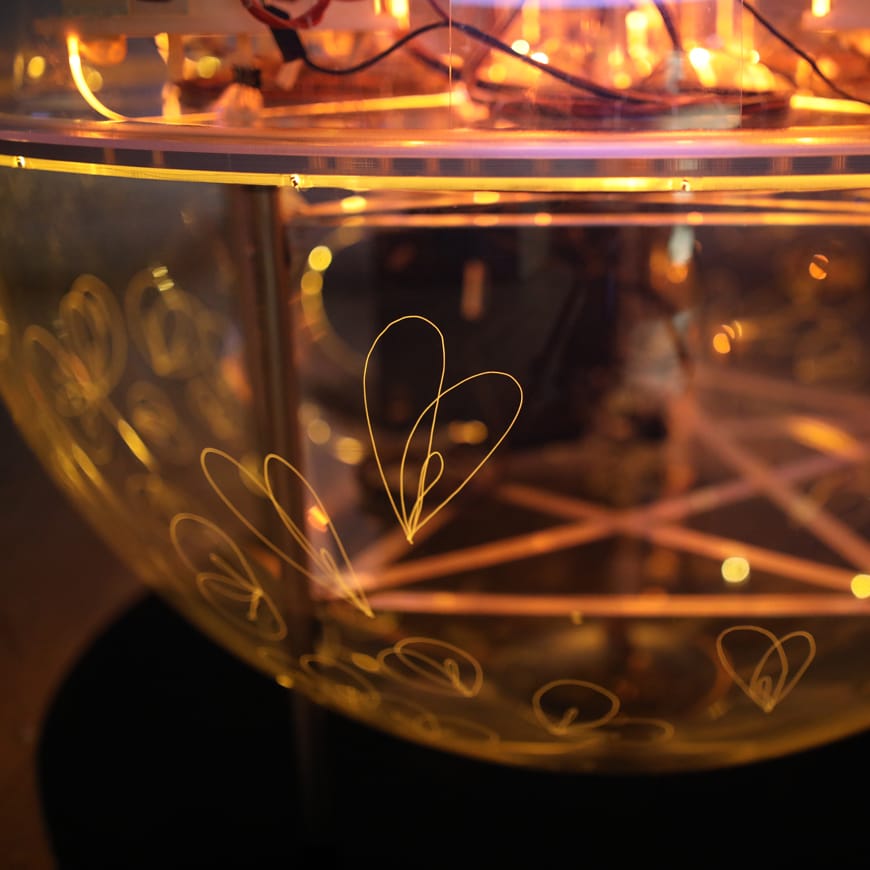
[{"x": 541, "y": 479}]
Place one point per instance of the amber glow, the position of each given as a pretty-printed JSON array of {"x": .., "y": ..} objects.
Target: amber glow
[
  {"x": 825, "y": 437},
  {"x": 721, "y": 343},
  {"x": 320, "y": 258},
  {"x": 82, "y": 83},
  {"x": 353, "y": 204},
  {"x": 348, "y": 450},
  {"x": 828, "y": 104},
  {"x": 36, "y": 67},
  {"x": 735, "y": 569},
  {"x": 821, "y": 8},
  {"x": 208, "y": 66},
  {"x": 861, "y": 586},
  {"x": 467, "y": 432},
  {"x": 636, "y": 26},
  {"x": 317, "y": 518},
  {"x": 400, "y": 10},
  {"x": 311, "y": 283},
  {"x": 701, "y": 61},
  {"x": 319, "y": 431},
  {"x": 527, "y": 184},
  {"x": 818, "y": 267},
  {"x": 497, "y": 72}
]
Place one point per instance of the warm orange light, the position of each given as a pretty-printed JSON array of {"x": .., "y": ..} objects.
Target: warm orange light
[
  {"x": 828, "y": 104},
  {"x": 319, "y": 431},
  {"x": 861, "y": 586},
  {"x": 207, "y": 67},
  {"x": 400, "y": 10},
  {"x": 825, "y": 437},
  {"x": 320, "y": 258},
  {"x": 83, "y": 84},
  {"x": 721, "y": 343},
  {"x": 353, "y": 203},
  {"x": 735, "y": 569},
  {"x": 467, "y": 431},
  {"x": 818, "y": 267},
  {"x": 311, "y": 283},
  {"x": 349, "y": 450},
  {"x": 36, "y": 67},
  {"x": 317, "y": 518},
  {"x": 702, "y": 63}
]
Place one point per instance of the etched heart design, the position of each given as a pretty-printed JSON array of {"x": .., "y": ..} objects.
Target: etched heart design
[
  {"x": 776, "y": 670},
  {"x": 169, "y": 326},
  {"x": 314, "y": 561},
  {"x": 410, "y": 508},
  {"x": 573, "y": 708},
  {"x": 433, "y": 665},
  {"x": 76, "y": 370},
  {"x": 224, "y": 576}
]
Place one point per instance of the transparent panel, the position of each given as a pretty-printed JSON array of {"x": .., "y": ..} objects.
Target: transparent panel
[{"x": 493, "y": 374}]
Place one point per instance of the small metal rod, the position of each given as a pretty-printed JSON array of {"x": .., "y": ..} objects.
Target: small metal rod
[{"x": 269, "y": 334}]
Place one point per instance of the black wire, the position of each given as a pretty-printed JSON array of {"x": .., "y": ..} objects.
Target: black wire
[
  {"x": 578, "y": 82},
  {"x": 344, "y": 71},
  {"x": 471, "y": 65},
  {"x": 670, "y": 26},
  {"x": 485, "y": 38},
  {"x": 793, "y": 46}
]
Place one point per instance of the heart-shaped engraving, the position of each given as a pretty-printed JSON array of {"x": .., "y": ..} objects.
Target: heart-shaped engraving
[
  {"x": 92, "y": 331},
  {"x": 775, "y": 664},
  {"x": 313, "y": 560},
  {"x": 573, "y": 708},
  {"x": 433, "y": 665},
  {"x": 410, "y": 506},
  {"x": 175, "y": 333},
  {"x": 224, "y": 576},
  {"x": 154, "y": 417},
  {"x": 75, "y": 370}
]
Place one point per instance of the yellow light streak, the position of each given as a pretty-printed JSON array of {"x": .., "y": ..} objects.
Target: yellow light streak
[
  {"x": 828, "y": 104},
  {"x": 73, "y": 48},
  {"x": 440, "y": 183}
]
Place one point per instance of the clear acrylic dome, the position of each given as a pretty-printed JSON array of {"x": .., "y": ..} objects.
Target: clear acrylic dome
[{"x": 492, "y": 373}]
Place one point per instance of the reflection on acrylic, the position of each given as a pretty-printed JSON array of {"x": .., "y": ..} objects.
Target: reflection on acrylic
[{"x": 540, "y": 510}]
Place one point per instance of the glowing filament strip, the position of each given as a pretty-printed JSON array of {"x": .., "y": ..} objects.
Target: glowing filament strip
[
  {"x": 828, "y": 104},
  {"x": 75, "y": 67}
]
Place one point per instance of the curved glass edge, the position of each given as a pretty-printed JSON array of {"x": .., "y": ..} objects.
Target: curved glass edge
[{"x": 798, "y": 159}]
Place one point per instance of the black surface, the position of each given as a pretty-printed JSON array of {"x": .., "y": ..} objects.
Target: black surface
[{"x": 163, "y": 751}]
